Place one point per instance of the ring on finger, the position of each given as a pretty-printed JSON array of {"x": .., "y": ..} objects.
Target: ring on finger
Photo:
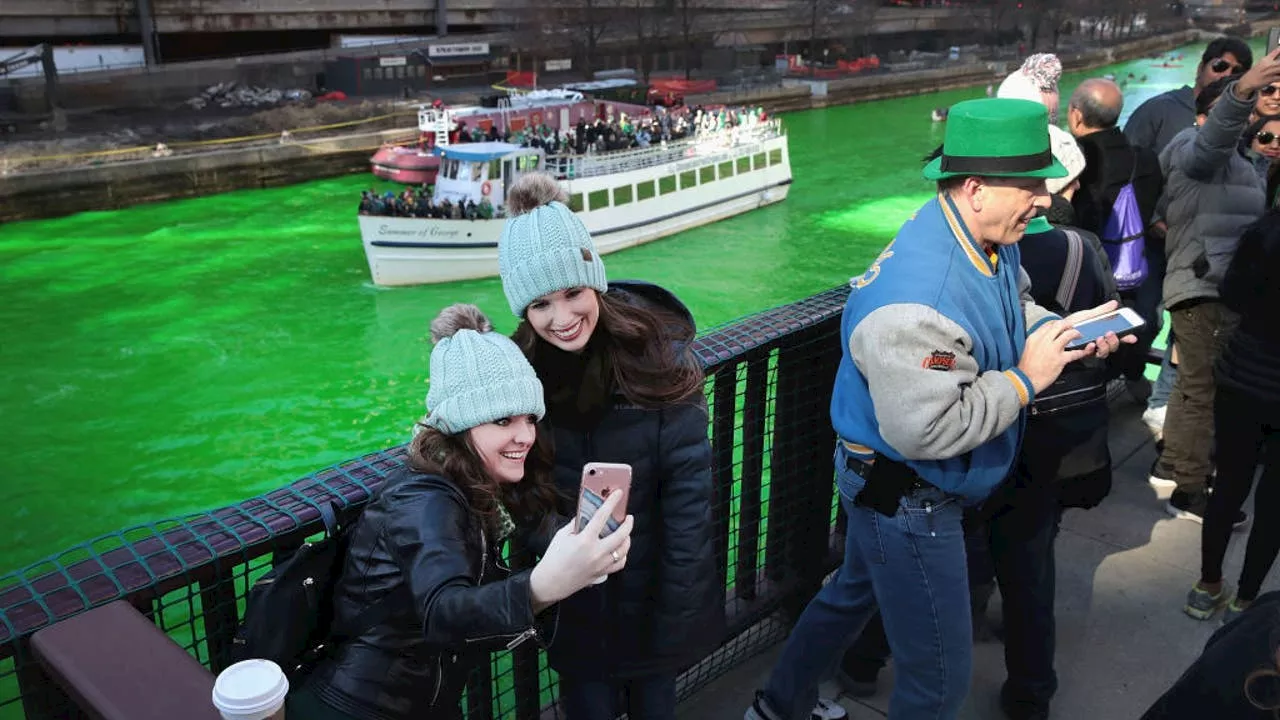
[{"x": 614, "y": 553}]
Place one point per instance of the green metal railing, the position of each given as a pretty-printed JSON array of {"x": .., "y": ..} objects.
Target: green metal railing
[{"x": 769, "y": 379}]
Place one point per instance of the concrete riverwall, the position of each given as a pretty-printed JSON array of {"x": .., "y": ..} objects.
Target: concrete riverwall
[
  {"x": 116, "y": 185},
  {"x": 52, "y": 193}
]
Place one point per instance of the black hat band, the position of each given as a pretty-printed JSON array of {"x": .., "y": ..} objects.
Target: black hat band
[{"x": 984, "y": 165}]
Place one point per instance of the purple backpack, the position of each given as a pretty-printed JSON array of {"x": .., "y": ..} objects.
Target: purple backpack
[{"x": 1122, "y": 237}]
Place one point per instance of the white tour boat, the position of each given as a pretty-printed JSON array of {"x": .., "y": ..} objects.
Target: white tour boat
[{"x": 625, "y": 197}]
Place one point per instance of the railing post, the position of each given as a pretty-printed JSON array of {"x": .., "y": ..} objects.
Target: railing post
[
  {"x": 754, "y": 415},
  {"x": 218, "y": 610},
  {"x": 724, "y": 412},
  {"x": 801, "y": 482},
  {"x": 524, "y": 659},
  {"x": 480, "y": 691}
]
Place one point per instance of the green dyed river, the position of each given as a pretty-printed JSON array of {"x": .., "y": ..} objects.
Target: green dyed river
[{"x": 180, "y": 356}]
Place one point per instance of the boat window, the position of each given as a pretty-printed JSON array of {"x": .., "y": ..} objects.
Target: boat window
[
  {"x": 744, "y": 164},
  {"x": 527, "y": 163},
  {"x": 622, "y": 195},
  {"x": 775, "y": 156},
  {"x": 707, "y": 174},
  {"x": 477, "y": 171},
  {"x": 645, "y": 190},
  {"x": 495, "y": 169},
  {"x": 758, "y": 161},
  {"x": 688, "y": 179},
  {"x": 667, "y": 185},
  {"x": 598, "y": 199},
  {"x": 575, "y": 202},
  {"x": 726, "y": 169}
]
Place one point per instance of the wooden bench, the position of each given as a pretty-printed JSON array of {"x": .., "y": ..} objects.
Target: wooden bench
[{"x": 115, "y": 664}]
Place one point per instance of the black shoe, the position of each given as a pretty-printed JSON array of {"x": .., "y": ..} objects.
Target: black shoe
[
  {"x": 1017, "y": 709},
  {"x": 1192, "y": 506},
  {"x": 1161, "y": 476}
]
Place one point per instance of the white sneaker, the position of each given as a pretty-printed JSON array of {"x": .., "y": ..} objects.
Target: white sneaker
[
  {"x": 829, "y": 710},
  {"x": 1153, "y": 418}
]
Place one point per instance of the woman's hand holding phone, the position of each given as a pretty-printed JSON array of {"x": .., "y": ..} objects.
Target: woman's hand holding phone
[{"x": 575, "y": 560}]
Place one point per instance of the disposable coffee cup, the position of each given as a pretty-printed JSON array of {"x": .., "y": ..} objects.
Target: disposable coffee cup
[{"x": 251, "y": 690}]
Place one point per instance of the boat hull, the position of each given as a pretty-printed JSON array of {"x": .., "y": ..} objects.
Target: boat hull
[
  {"x": 405, "y": 165},
  {"x": 417, "y": 251}
]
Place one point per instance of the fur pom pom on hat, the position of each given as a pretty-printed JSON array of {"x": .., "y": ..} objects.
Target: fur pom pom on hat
[
  {"x": 544, "y": 246},
  {"x": 477, "y": 375}
]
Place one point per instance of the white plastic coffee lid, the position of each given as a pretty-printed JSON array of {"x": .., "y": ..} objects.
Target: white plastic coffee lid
[{"x": 250, "y": 687}]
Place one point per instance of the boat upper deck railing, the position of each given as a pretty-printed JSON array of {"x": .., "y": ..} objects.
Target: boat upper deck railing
[{"x": 703, "y": 145}]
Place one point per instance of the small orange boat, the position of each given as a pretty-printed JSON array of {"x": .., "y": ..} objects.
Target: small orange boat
[{"x": 407, "y": 164}]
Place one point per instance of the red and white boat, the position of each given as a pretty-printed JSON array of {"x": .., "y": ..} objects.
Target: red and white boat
[{"x": 417, "y": 164}]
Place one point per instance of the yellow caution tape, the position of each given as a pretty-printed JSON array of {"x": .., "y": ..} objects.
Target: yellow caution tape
[{"x": 202, "y": 143}]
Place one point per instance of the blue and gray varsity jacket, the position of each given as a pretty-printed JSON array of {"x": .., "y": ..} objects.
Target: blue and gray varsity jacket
[{"x": 933, "y": 332}]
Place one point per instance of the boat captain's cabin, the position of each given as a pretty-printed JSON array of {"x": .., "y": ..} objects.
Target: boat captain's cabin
[{"x": 484, "y": 170}]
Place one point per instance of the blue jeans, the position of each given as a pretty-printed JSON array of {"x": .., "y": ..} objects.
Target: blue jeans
[
  {"x": 913, "y": 564},
  {"x": 647, "y": 698},
  {"x": 1163, "y": 386}
]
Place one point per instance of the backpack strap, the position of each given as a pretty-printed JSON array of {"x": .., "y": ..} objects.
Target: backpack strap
[
  {"x": 369, "y": 616},
  {"x": 1071, "y": 271}
]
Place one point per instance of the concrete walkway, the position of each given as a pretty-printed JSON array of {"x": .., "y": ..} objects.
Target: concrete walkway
[{"x": 1123, "y": 571}]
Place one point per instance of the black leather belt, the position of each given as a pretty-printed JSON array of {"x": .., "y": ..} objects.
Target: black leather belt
[{"x": 862, "y": 469}]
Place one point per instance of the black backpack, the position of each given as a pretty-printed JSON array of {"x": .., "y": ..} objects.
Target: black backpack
[{"x": 289, "y": 616}]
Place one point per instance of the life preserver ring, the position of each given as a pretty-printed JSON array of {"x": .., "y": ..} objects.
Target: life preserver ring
[{"x": 486, "y": 188}]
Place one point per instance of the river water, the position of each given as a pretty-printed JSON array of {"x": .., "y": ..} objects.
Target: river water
[{"x": 179, "y": 356}]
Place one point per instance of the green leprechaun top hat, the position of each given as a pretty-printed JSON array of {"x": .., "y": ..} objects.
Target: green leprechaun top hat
[{"x": 996, "y": 137}]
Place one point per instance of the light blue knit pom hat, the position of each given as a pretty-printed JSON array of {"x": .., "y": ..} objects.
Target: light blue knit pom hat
[
  {"x": 544, "y": 247},
  {"x": 477, "y": 375}
]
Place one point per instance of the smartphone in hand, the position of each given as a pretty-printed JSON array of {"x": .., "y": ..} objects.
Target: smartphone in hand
[
  {"x": 1123, "y": 321},
  {"x": 599, "y": 481}
]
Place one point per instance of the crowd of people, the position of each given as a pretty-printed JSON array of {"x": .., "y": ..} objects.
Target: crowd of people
[
  {"x": 603, "y": 135},
  {"x": 610, "y": 134},
  {"x": 1002, "y": 424},
  {"x": 420, "y": 203},
  {"x": 968, "y": 408}
]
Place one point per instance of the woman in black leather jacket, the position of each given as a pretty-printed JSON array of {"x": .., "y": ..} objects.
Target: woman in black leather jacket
[
  {"x": 424, "y": 557},
  {"x": 623, "y": 387}
]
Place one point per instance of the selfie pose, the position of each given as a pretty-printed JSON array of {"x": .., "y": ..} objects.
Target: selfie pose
[
  {"x": 424, "y": 557},
  {"x": 622, "y": 387}
]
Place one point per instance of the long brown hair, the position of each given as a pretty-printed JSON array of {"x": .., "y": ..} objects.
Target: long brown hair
[
  {"x": 649, "y": 351},
  {"x": 530, "y": 501}
]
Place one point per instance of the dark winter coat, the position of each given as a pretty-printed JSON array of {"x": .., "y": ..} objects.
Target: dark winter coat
[
  {"x": 665, "y": 610},
  {"x": 419, "y": 547},
  {"x": 1250, "y": 363},
  {"x": 1066, "y": 437}
]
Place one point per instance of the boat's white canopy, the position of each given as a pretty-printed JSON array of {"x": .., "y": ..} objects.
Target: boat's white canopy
[{"x": 482, "y": 151}]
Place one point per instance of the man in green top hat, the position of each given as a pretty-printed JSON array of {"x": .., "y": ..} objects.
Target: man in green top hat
[{"x": 943, "y": 350}]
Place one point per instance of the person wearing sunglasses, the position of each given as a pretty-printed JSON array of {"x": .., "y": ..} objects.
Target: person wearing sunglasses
[
  {"x": 1214, "y": 192},
  {"x": 1268, "y": 101},
  {"x": 1152, "y": 126},
  {"x": 1159, "y": 119},
  {"x": 1264, "y": 141}
]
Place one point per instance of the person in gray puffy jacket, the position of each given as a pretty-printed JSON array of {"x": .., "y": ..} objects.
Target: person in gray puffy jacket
[{"x": 1214, "y": 192}]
